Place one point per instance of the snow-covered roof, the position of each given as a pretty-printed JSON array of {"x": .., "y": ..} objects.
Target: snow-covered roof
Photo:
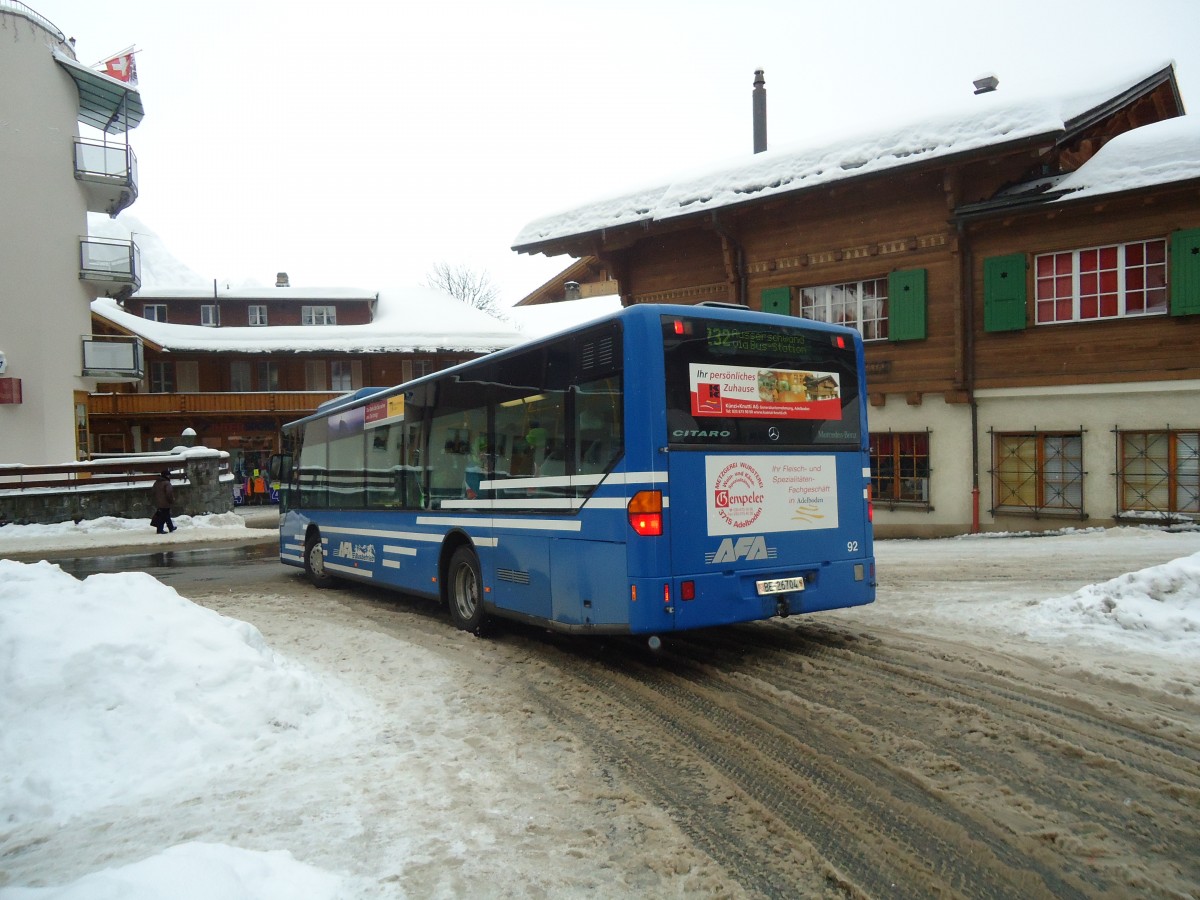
[
  {"x": 544, "y": 319},
  {"x": 992, "y": 122},
  {"x": 407, "y": 319},
  {"x": 416, "y": 319},
  {"x": 1156, "y": 154},
  {"x": 271, "y": 294}
]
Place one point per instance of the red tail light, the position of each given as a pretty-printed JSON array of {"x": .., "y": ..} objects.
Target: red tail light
[{"x": 645, "y": 513}]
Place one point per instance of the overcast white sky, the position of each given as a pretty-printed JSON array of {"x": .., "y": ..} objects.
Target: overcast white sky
[{"x": 360, "y": 142}]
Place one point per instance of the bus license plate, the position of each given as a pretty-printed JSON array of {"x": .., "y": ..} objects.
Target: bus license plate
[{"x": 779, "y": 586}]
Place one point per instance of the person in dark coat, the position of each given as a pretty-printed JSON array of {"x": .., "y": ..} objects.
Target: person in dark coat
[{"x": 164, "y": 496}]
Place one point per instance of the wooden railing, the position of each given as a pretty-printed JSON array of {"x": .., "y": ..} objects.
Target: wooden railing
[
  {"x": 168, "y": 404},
  {"x": 89, "y": 474}
]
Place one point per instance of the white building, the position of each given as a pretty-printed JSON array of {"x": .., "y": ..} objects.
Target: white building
[{"x": 53, "y": 177}]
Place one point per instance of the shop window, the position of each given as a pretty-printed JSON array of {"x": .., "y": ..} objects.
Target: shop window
[
  {"x": 900, "y": 467},
  {"x": 1159, "y": 472},
  {"x": 1038, "y": 473}
]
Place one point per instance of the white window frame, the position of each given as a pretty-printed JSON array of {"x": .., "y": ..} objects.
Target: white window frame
[
  {"x": 256, "y": 314},
  {"x": 210, "y": 315},
  {"x": 1064, "y": 286},
  {"x": 846, "y": 303},
  {"x": 155, "y": 312},
  {"x": 318, "y": 315}
]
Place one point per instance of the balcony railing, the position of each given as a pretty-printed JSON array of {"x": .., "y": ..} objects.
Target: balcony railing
[
  {"x": 108, "y": 173},
  {"x": 113, "y": 357},
  {"x": 232, "y": 403},
  {"x": 110, "y": 262}
]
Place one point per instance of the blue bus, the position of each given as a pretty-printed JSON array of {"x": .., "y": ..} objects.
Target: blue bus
[{"x": 659, "y": 469}]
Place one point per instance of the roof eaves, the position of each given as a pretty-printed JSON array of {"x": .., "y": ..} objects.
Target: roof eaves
[{"x": 1101, "y": 111}]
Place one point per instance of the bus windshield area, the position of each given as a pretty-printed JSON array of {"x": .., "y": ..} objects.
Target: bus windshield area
[{"x": 754, "y": 385}]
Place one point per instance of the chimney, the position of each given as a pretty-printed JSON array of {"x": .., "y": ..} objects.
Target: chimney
[
  {"x": 281, "y": 280},
  {"x": 985, "y": 84},
  {"x": 760, "y": 112},
  {"x": 571, "y": 290}
]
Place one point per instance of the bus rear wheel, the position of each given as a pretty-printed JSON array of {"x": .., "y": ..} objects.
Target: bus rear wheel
[
  {"x": 464, "y": 592},
  {"x": 314, "y": 562}
]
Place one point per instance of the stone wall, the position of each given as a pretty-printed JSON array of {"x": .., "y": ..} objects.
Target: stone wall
[{"x": 207, "y": 488}]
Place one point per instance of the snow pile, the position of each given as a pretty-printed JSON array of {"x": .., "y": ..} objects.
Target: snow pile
[
  {"x": 118, "y": 686},
  {"x": 110, "y": 531},
  {"x": 198, "y": 871},
  {"x": 1160, "y": 153},
  {"x": 1157, "y": 609}
]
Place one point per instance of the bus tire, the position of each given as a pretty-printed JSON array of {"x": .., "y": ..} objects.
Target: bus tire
[
  {"x": 464, "y": 591},
  {"x": 314, "y": 562}
]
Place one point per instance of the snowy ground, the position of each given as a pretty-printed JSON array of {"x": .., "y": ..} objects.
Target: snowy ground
[
  {"x": 112, "y": 532},
  {"x": 122, "y": 701}
]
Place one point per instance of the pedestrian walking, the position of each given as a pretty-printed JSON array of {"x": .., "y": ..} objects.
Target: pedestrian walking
[{"x": 164, "y": 495}]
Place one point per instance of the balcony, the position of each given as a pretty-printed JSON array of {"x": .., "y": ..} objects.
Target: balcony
[
  {"x": 294, "y": 403},
  {"x": 108, "y": 174},
  {"x": 113, "y": 358},
  {"x": 111, "y": 263}
]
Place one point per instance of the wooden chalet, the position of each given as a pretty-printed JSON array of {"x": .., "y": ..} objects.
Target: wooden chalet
[
  {"x": 234, "y": 366},
  {"x": 1030, "y": 309}
]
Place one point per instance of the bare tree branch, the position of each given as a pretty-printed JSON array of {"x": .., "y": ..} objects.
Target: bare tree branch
[{"x": 472, "y": 286}]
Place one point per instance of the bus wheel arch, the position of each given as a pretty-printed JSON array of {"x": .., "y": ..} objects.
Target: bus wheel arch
[
  {"x": 314, "y": 559},
  {"x": 462, "y": 585}
]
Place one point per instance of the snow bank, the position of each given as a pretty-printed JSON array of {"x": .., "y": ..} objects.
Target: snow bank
[
  {"x": 1157, "y": 609},
  {"x": 197, "y": 871},
  {"x": 111, "y": 531},
  {"x": 118, "y": 686}
]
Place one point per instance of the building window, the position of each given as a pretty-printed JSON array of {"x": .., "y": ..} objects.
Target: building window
[
  {"x": 341, "y": 376},
  {"x": 318, "y": 315},
  {"x": 859, "y": 304},
  {"x": 258, "y": 314},
  {"x": 162, "y": 378},
  {"x": 900, "y": 467},
  {"x": 155, "y": 312},
  {"x": 1038, "y": 473},
  {"x": 315, "y": 378},
  {"x": 268, "y": 376},
  {"x": 415, "y": 368},
  {"x": 210, "y": 315},
  {"x": 1159, "y": 471},
  {"x": 1110, "y": 282},
  {"x": 239, "y": 376}
]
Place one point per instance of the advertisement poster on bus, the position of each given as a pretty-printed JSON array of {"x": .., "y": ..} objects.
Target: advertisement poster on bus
[
  {"x": 780, "y": 492},
  {"x": 746, "y": 392},
  {"x": 385, "y": 412}
]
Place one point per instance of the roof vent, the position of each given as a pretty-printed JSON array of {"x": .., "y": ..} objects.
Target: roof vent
[
  {"x": 571, "y": 290},
  {"x": 985, "y": 84},
  {"x": 281, "y": 279}
]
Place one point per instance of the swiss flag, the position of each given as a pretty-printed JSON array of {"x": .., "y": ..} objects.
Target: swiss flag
[{"x": 122, "y": 67}]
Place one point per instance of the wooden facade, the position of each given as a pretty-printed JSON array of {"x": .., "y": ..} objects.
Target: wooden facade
[{"x": 926, "y": 235}]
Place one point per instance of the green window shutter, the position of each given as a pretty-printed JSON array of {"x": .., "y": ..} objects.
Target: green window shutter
[
  {"x": 1185, "y": 272},
  {"x": 906, "y": 305},
  {"x": 1004, "y": 293},
  {"x": 776, "y": 300}
]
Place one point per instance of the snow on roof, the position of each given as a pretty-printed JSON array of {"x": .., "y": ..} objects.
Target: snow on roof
[
  {"x": 407, "y": 320},
  {"x": 1156, "y": 154},
  {"x": 991, "y": 122},
  {"x": 544, "y": 319}
]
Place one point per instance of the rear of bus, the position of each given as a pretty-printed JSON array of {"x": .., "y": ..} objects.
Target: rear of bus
[{"x": 766, "y": 508}]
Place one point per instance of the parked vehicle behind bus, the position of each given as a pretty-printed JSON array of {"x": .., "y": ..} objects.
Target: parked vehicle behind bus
[{"x": 660, "y": 469}]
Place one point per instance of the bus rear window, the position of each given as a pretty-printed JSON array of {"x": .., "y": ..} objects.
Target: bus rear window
[{"x": 759, "y": 385}]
